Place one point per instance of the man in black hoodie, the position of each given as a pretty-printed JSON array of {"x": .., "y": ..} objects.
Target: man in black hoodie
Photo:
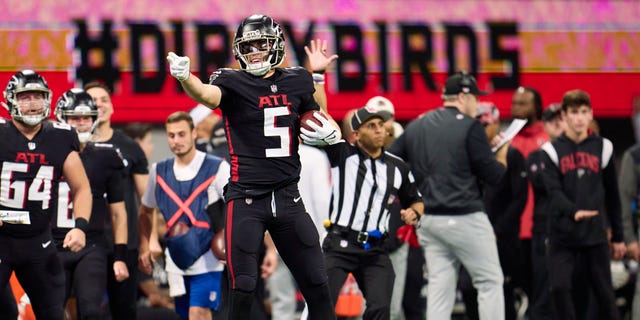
[
  {"x": 581, "y": 181},
  {"x": 540, "y": 299}
]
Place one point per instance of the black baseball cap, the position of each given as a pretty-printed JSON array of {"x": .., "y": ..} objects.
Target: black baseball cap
[
  {"x": 365, "y": 113},
  {"x": 552, "y": 111},
  {"x": 462, "y": 82}
]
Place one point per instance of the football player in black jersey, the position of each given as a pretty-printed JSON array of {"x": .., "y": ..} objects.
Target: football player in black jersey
[
  {"x": 261, "y": 105},
  {"x": 122, "y": 294},
  {"x": 86, "y": 271},
  {"x": 34, "y": 155}
]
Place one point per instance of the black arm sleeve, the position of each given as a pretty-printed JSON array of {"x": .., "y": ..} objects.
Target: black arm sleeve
[
  {"x": 408, "y": 192},
  {"x": 516, "y": 173}
]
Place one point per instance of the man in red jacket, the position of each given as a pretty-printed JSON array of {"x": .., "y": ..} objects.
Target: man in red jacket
[{"x": 527, "y": 104}]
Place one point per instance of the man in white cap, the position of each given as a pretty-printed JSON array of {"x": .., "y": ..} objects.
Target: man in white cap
[
  {"x": 394, "y": 129},
  {"x": 204, "y": 120},
  {"x": 398, "y": 250}
]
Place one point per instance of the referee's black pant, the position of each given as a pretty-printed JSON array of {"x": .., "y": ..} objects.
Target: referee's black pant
[{"x": 371, "y": 268}]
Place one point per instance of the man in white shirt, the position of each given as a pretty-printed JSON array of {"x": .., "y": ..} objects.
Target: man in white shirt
[{"x": 182, "y": 187}]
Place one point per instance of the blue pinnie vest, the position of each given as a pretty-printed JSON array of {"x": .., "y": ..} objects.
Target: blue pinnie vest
[{"x": 186, "y": 202}]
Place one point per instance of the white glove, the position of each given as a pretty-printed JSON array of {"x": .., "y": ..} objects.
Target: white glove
[
  {"x": 179, "y": 66},
  {"x": 321, "y": 135},
  {"x": 312, "y": 141}
]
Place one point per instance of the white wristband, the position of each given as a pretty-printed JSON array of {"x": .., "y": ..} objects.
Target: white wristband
[{"x": 318, "y": 78}]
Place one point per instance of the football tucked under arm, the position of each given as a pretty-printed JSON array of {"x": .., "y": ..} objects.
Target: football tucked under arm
[{"x": 317, "y": 130}]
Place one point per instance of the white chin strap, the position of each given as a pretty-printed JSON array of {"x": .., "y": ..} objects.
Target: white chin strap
[
  {"x": 84, "y": 137},
  {"x": 258, "y": 69},
  {"x": 32, "y": 120}
]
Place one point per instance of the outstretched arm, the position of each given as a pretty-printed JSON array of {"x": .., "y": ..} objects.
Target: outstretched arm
[
  {"x": 317, "y": 53},
  {"x": 318, "y": 63},
  {"x": 206, "y": 94},
  {"x": 329, "y": 133},
  {"x": 120, "y": 236},
  {"x": 74, "y": 173},
  {"x": 145, "y": 256}
]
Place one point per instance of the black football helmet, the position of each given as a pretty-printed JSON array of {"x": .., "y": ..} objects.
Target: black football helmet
[
  {"x": 76, "y": 102},
  {"x": 24, "y": 81},
  {"x": 259, "y": 34}
]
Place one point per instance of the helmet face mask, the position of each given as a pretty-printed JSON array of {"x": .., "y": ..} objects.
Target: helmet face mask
[
  {"x": 259, "y": 45},
  {"x": 27, "y": 81},
  {"x": 76, "y": 102}
]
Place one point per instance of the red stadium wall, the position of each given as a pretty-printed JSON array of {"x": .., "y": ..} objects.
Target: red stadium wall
[{"x": 402, "y": 50}]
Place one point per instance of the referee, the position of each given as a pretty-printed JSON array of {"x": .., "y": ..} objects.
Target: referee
[{"x": 366, "y": 181}]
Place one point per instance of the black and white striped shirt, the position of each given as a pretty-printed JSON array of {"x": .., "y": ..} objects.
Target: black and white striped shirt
[{"x": 363, "y": 188}]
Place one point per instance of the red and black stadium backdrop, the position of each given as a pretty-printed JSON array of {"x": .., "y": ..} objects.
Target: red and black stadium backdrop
[{"x": 399, "y": 49}]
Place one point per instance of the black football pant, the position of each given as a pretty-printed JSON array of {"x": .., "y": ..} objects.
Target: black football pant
[
  {"x": 86, "y": 275},
  {"x": 594, "y": 262},
  {"x": 258, "y": 310},
  {"x": 8, "y": 307},
  {"x": 123, "y": 295},
  {"x": 540, "y": 301},
  {"x": 38, "y": 268},
  {"x": 371, "y": 268},
  {"x": 283, "y": 214}
]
